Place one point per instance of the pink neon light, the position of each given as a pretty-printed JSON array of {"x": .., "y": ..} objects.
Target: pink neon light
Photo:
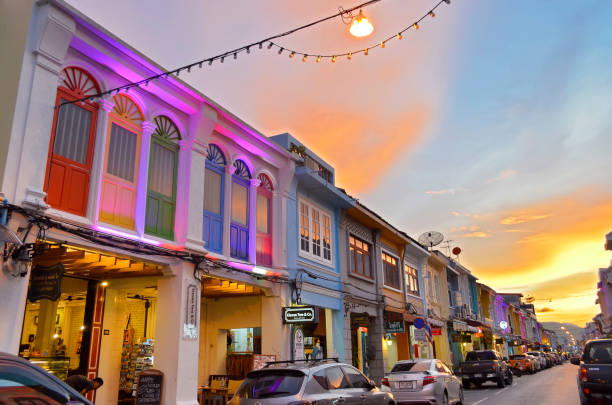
[{"x": 127, "y": 235}]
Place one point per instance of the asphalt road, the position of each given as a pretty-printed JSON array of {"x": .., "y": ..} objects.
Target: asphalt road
[{"x": 553, "y": 386}]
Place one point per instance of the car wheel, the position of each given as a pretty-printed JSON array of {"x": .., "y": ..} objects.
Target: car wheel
[
  {"x": 501, "y": 381},
  {"x": 445, "y": 398}
]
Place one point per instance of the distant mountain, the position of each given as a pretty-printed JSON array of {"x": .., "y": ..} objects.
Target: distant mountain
[{"x": 575, "y": 330}]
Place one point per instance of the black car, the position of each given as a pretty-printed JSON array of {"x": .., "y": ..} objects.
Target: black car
[
  {"x": 21, "y": 382},
  {"x": 485, "y": 365},
  {"x": 595, "y": 374}
]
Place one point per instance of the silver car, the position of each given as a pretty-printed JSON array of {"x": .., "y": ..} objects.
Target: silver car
[
  {"x": 424, "y": 381},
  {"x": 322, "y": 382}
]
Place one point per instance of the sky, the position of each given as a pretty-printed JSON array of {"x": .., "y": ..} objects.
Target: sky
[{"x": 490, "y": 124}]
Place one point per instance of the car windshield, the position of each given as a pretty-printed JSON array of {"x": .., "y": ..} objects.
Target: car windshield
[
  {"x": 599, "y": 353},
  {"x": 533, "y": 353},
  {"x": 411, "y": 367},
  {"x": 271, "y": 383},
  {"x": 478, "y": 356},
  {"x": 517, "y": 357}
]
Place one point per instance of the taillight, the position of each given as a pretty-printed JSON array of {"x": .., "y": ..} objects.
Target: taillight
[
  {"x": 583, "y": 374},
  {"x": 385, "y": 382},
  {"x": 429, "y": 379}
]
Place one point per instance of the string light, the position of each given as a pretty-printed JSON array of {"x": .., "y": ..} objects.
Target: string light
[
  {"x": 293, "y": 52},
  {"x": 333, "y": 59}
]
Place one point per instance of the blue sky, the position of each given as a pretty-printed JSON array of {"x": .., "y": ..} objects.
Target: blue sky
[{"x": 491, "y": 123}]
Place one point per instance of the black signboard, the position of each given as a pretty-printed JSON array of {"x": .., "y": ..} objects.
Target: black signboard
[
  {"x": 149, "y": 390},
  {"x": 300, "y": 315},
  {"x": 46, "y": 282},
  {"x": 394, "y": 322}
]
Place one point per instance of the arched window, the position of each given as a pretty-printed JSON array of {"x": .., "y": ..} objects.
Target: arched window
[
  {"x": 239, "y": 227},
  {"x": 161, "y": 189},
  {"x": 213, "y": 198},
  {"x": 72, "y": 143},
  {"x": 120, "y": 177},
  {"x": 264, "y": 220}
]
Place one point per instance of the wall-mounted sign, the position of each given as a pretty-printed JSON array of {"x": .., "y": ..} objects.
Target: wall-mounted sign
[
  {"x": 503, "y": 325},
  {"x": 358, "y": 320},
  {"x": 420, "y": 335},
  {"x": 46, "y": 282},
  {"x": 300, "y": 315},
  {"x": 192, "y": 312},
  {"x": 436, "y": 331},
  {"x": 298, "y": 343},
  {"x": 419, "y": 323},
  {"x": 394, "y": 322}
]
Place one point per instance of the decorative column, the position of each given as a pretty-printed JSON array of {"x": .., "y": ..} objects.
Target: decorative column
[
  {"x": 95, "y": 189},
  {"x": 279, "y": 228},
  {"x": 227, "y": 207},
  {"x": 253, "y": 220},
  {"x": 143, "y": 177},
  {"x": 195, "y": 194}
]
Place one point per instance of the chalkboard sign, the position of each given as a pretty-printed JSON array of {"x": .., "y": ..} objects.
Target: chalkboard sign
[
  {"x": 149, "y": 390},
  {"x": 46, "y": 282}
]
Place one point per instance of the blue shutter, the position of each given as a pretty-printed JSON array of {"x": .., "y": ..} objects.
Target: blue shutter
[{"x": 212, "y": 232}]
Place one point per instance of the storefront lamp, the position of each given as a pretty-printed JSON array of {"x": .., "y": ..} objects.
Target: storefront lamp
[
  {"x": 388, "y": 340},
  {"x": 361, "y": 26},
  {"x": 104, "y": 284},
  {"x": 82, "y": 327}
]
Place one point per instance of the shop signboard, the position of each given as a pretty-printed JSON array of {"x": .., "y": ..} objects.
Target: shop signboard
[
  {"x": 149, "y": 387},
  {"x": 300, "y": 315},
  {"x": 298, "y": 343},
  {"x": 436, "y": 331},
  {"x": 394, "y": 322},
  {"x": 46, "y": 282},
  {"x": 192, "y": 313}
]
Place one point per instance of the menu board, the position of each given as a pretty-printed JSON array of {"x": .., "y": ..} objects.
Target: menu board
[
  {"x": 260, "y": 360},
  {"x": 149, "y": 391}
]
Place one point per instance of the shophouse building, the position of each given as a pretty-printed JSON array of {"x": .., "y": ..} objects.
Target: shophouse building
[
  {"x": 438, "y": 307},
  {"x": 487, "y": 311},
  {"x": 604, "y": 292},
  {"x": 154, "y": 217},
  {"x": 314, "y": 206}
]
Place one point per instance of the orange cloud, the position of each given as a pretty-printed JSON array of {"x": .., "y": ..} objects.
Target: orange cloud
[
  {"x": 478, "y": 234},
  {"x": 441, "y": 192},
  {"x": 521, "y": 219},
  {"x": 501, "y": 176}
]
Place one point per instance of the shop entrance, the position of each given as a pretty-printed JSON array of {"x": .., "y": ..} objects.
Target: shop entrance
[{"x": 91, "y": 313}]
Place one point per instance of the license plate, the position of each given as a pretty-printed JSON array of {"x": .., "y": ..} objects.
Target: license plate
[
  {"x": 405, "y": 385},
  {"x": 477, "y": 375}
]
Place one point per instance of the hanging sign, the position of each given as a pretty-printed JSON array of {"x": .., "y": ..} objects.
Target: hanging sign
[
  {"x": 436, "y": 331},
  {"x": 46, "y": 282},
  {"x": 300, "y": 315},
  {"x": 192, "y": 313},
  {"x": 394, "y": 322},
  {"x": 298, "y": 343}
]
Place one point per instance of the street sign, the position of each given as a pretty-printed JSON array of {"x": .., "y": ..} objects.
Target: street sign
[
  {"x": 419, "y": 323},
  {"x": 436, "y": 331},
  {"x": 420, "y": 335},
  {"x": 300, "y": 315}
]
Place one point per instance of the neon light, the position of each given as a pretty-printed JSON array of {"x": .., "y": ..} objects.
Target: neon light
[
  {"x": 250, "y": 268},
  {"x": 259, "y": 270},
  {"x": 127, "y": 235}
]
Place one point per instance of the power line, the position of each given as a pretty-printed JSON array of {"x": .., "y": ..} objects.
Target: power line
[{"x": 268, "y": 42}]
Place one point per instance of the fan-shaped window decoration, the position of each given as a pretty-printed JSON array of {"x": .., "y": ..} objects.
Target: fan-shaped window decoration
[
  {"x": 127, "y": 109},
  {"x": 215, "y": 155},
  {"x": 266, "y": 183},
  {"x": 166, "y": 129},
  {"x": 79, "y": 82},
  {"x": 241, "y": 170}
]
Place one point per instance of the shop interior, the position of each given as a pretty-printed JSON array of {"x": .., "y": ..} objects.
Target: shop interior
[{"x": 63, "y": 335}]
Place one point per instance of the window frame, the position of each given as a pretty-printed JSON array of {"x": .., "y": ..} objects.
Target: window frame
[
  {"x": 397, "y": 266},
  {"x": 240, "y": 181},
  {"x": 352, "y": 258},
  {"x": 408, "y": 276},
  {"x": 220, "y": 170},
  {"x": 262, "y": 190},
  {"x": 321, "y": 214},
  {"x": 63, "y": 92}
]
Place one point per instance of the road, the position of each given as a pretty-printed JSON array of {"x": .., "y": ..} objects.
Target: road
[{"x": 554, "y": 386}]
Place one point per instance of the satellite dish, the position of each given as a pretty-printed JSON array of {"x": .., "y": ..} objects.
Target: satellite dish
[
  {"x": 456, "y": 250},
  {"x": 431, "y": 239}
]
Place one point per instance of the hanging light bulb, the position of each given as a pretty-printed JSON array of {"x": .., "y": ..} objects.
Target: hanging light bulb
[
  {"x": 432, "y": 14},
  {"x": 365, "y": 52},
  {"x": 399, "y": 36},
  {"x": 334, "y": 59},
  {"x": 270, "y": 45},
  {"x": 416, "y": 26},
  {"x": 304, "y": 58},
  {"x": 350, "y": 55},
  {"x": 361, "y": 26},
  {"x": 292, "y": 54},
  {"x": 318, "y": 59},
  {"x": 382, "y": 44},
  {"x": 280, "y": 51}
]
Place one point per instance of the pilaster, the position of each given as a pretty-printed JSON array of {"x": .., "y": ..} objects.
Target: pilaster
[
  {"x": 143, "y": 176},
  {"x": 253, "y": 220}
]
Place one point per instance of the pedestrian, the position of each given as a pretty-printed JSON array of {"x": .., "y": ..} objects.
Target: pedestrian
[
  {"x": 317, "y": 352},
  {"x": 83, "y": 384}
]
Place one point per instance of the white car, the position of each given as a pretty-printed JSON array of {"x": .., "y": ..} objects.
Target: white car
[{"x": 541, "y": 359}]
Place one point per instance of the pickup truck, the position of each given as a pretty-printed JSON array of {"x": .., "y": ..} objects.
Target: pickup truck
[
  {"x": 484, "y": 365},
  {"x": 595, "y": 373}
]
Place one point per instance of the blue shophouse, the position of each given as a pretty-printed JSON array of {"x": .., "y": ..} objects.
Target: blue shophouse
[{"x": 314, "y": 204}]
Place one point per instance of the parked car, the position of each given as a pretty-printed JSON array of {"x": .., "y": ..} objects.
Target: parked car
[
  {"x": 535, "y": 361},
  {"x": 21, "y": 382},
  {"x": 523, "y": 363},
  {"x": 575, "y": 358},
  {"x": 595, "y": 373},
  {"x": 325, "y": 382},
  {"x": 485, "y": 365},
  {"x": 541, "y": 360},
  {"x": 424, "y": 381}
]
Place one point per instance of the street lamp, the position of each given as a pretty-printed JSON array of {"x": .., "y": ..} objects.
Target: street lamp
[{"x": 361, "y": 26}]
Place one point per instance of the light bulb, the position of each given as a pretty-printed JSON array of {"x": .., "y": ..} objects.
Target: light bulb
[
  {"x": 365, "y": 51},
  {"x": 292, "y": 54},
  {"x": 350, "y": 55},
  {"x": 361, "y": 27},
  {"x": 382, "y": 44},
  {"x": 304, "y": 58},
  {"x": 334, "y": 59},
  {"x": 416, "y": 26},
  {"x": 432, "y": 14},
  {"x": 318, "y": 59},
  {"x": 399, "y": 36}
]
